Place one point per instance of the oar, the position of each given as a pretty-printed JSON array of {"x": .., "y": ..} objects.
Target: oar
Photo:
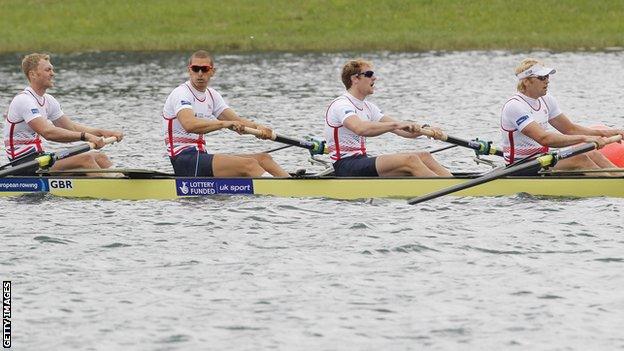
[
  {"x": 316, "y": 147},
  {"x": 47, "y": 160},
  {"x": 479, "y": 146},
  {"x": 11, "y": 163},
  {"x": 442, "y": 149},
  {"x": 543, "y": 161},
  {"x": 277, "y": 149}
]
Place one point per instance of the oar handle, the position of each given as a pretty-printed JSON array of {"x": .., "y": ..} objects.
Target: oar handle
[
  {"x": 258, "y": 132},
  {"x": 613, "y": 139},
  {"x": 107, "y": 141},
  {"x": 433, "y": 134}
]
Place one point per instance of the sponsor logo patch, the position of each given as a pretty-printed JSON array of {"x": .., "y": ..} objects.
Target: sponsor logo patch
[
  {"x": 35, "y": 111},
  {"x": 210, "y": 186},
  {"x": 521, "y": 120},
  {"x": 184, "y": 102},
  {"x": 347, "y": 112}
]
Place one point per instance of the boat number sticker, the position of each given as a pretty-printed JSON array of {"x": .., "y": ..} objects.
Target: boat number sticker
[
  {"x": 61, "y": 184},
  {"x": 23, "y": 185},
  {"x": 199, "y": 186}
]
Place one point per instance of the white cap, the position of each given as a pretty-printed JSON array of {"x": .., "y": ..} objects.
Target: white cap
[{"x": 537, "y": 70}]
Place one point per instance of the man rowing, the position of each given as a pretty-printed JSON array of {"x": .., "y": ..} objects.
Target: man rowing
[
  {"x": 349, "y": 119},
  {"x": 194, "y": 109},
  {"x": 29, "y": 116},
  {"x": 525, "y": 120}
]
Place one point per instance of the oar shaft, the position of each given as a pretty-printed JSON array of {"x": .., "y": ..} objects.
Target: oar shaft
[
  {"x": 284, "y": 140},
  {"x": 475, "y": 145},
  {"x": 59, "y": 155},
  {"x": 47, "y": 160},
  {"x": 480, "y": 147},
  {"x": 586, "y": 147},
  {"x": 41, "y": 161},
  {"x": 277, "y": 149},
  {"x": 471, "y": 183},
  {"x": 443, "y": 148}
]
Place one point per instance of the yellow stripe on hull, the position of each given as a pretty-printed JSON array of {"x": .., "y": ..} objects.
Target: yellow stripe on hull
[
  {"x": 335, "y": 188},
  {"x": 407, "y": 188}
]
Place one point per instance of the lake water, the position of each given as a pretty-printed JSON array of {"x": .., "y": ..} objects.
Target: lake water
[{"x": 249, "y": 273}]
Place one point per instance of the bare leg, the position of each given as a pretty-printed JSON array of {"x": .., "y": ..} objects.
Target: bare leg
[
  {"x": 433, "y": 165},
  {"x": 268, "y": 164},
  {"x": 235, "y": 166},
  {"x": 603, "y": 162},
  {"x": 102, "y": 160},
  {"x": 407, "y": 164},
  {"x": 582, "y": 161},
  {"x": 89, "y": 160}
]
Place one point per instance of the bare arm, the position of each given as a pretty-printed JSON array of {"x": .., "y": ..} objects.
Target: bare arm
[
  {"x": 411, "y": 132},
  {"x": 55, "y": 132},
  {"x": 370, "y": 128},
  {"x": 192, "y": 124},
  {"x": 563, "y": 124},
  {"x": 230, "y": 115},
  {"x": 60, "y": 134},
  {"x": 66, "y": 123},
  {"x": 551, "y": 139}
]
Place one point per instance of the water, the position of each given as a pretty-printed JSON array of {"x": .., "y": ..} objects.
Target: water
[{"x": 246, "y": 273}]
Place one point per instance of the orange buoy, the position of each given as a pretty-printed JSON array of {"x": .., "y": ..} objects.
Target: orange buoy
[{"x": 614, "y": 152}]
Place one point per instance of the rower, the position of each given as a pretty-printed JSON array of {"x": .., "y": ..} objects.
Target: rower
[
  {"x": 350, "y": 119},
  {"x": 527, "y": 116},
  {"x": 29, "y": 116},
  {"x": 194, "y": 109}
]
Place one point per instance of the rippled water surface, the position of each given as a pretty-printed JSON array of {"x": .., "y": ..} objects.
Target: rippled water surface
[{"x": 250, "y": 273}]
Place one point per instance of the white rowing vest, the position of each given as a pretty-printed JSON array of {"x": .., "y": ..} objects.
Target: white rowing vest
[
  {"x": 517, "y": 113},
  {"x": 341, "y": 141},
  {"x": 19, "y": 138},
  {"x": 207, "y": 104}
]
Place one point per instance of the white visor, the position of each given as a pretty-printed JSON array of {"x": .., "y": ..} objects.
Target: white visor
[{"x": 536, "y": 70}]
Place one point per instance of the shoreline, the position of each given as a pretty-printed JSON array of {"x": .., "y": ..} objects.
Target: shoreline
[{"x": 320, "y": 26}]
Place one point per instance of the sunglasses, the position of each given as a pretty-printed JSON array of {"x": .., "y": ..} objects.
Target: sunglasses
[
  {"x": 204, "y": 69},
  {"x": 367, "y": 74},
  {"x": 542, "y": 78}
]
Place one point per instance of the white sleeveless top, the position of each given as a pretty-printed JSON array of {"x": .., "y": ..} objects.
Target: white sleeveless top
[
  {"x": 207, "y": 104},
  {"x": 19, "y": 138},
  {"x": 517, "y": 113},
  {"x": 341, "y": 141}
]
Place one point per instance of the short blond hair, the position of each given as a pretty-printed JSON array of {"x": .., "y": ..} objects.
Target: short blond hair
[
  {"x": 352, "y": 68},
  {"x": 201, "y": 54},
  {"x": 30, "y": 62},
  {"x": 523, "y": 66}
]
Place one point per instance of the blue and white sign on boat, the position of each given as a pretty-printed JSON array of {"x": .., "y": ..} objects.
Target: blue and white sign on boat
[
  {"x": 209, "y": 186},
  {"x": 23, "y": 185}
]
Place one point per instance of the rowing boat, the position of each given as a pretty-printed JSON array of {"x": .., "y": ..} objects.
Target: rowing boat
[{"x": 161, "y": 186}]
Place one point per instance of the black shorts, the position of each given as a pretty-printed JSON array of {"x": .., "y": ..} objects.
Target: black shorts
[
  {"x": 356, "y": 166},
  {"x": 192, "y": 163},
  {"x": 30, "y": 171}
]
